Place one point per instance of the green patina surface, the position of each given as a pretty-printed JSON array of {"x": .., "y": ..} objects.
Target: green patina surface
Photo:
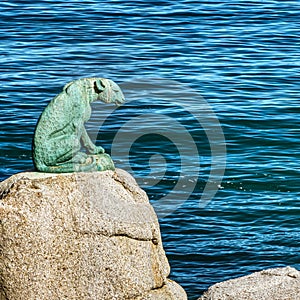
[{"x": 61, "y": 143}]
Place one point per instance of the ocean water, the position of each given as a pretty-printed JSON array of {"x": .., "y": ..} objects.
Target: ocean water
[{"x": 198, "y": 76}]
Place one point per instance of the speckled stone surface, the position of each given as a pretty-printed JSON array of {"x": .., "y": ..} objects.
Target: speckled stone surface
[
  {"x": 80, "y": 236},
  {"x": 270, "y": 284},
  {"x": 170, "y": 291}
]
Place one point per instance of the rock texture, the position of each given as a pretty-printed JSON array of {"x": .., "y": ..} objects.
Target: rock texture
[
  {"x": 271, "y": 284},
  {"x": 80, "y": 236}
]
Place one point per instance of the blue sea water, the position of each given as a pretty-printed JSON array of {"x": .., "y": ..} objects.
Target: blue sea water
[{"x": 233, "y": 64}]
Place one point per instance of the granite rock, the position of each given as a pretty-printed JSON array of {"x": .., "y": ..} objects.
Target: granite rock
[
  {"x": 270, "y": 284},
  {"x": 80, "y": 236}
]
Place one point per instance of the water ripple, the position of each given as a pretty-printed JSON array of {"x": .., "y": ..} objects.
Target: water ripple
[{"x": 242, "y": 57}]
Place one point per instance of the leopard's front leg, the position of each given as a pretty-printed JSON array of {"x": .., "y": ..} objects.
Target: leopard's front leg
[{"x": 89, "y": 145}]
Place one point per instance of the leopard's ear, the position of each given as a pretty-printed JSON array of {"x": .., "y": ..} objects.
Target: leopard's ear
[
  {"x": 99, "y": 85},
  {"x": 66, "y": 87}
]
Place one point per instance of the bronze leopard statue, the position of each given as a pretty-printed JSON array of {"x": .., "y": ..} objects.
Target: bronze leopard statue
[{"x": 60, "y": 133}]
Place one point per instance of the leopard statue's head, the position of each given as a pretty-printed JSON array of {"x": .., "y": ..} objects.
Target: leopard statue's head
[
  {"x": 108, "y": 91},
  {"x": 93, "y": 89}
]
